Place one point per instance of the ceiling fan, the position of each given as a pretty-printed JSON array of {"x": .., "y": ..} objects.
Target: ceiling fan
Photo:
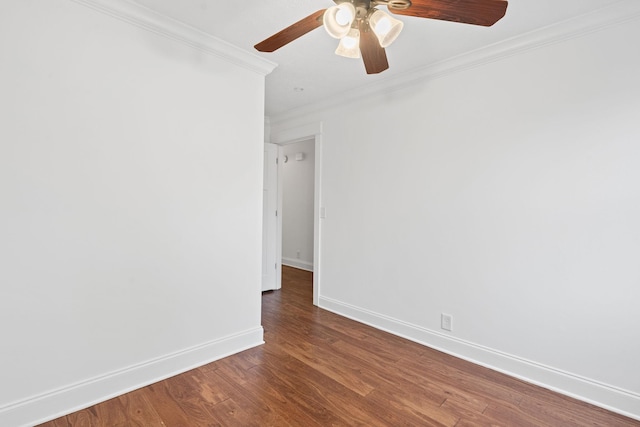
[{"x": 364, "y": 30}]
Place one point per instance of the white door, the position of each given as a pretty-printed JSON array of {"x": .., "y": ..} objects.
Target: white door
[{"x": 270, "y": 219}]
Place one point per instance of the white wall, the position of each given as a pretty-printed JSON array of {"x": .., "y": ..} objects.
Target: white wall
[
  {"x": 506, "y": 195},
  {"x": 130, "y": 207},
  {"x": 297, "y": 205}
]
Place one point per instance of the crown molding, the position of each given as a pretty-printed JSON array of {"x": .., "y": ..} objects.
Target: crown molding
[
  {"x": 149, "y": 20},
  {"x": 617, "y": 13}
]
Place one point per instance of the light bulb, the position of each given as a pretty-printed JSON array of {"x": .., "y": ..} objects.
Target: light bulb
[
  {"x": 382, "y": 26},
  {"x": 349, "y": 42},
  {"x": 349, "y": 46},
  {"x": 344, "y": 16},
  {"x": 385, "y": 27},
  {"x": 337, "y": 19}
]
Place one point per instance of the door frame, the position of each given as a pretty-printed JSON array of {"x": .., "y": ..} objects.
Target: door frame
[{"x": 291, "y": 136}]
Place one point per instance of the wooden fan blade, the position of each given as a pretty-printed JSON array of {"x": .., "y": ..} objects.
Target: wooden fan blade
[
  {"x": 291, "y": 33},
  {"x": 477, "y": 12},
  {"x": 374, "y": 56}
]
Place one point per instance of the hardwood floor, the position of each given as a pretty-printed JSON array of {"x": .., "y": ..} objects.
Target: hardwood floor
[{"x": 319, "y": 369}]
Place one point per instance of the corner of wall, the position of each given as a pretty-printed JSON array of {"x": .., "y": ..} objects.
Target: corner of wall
[
  {"x": 267, "y": 129},
  {"x": 147, "y": 19},
  {"x": 39, "y": 409}
]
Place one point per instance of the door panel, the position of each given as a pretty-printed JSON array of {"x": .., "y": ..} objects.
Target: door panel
[{"x": 269, "y": 218}]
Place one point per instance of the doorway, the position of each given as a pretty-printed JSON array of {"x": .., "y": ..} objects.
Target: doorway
[
  {"x": 297, "y": 163},
  {"x": 283, "y": 138}
]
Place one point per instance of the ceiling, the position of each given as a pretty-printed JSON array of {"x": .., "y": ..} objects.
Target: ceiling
[{"x": 308, "y": 70}]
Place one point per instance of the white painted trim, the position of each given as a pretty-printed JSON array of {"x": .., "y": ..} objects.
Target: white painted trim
[
  {"x": 267, "y": 129},
  {"x": 296, "y": 134},
  {"x": 48, "y": 406},
  {"x": 612, "y": 398},
  {"x": 611, "y": 15},
  {"x": 298, "y": 263},
  {"x": 317, "y": 224},
  {"x": 149, "y": 20}
]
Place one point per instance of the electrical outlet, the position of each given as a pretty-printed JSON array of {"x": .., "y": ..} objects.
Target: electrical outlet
[{"x": 446, "y": 322}]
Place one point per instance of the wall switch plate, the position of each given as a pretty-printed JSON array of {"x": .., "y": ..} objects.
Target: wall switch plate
[{"x": 446, "y": 322}]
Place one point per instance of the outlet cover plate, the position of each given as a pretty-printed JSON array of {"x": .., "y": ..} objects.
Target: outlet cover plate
[{"x": 446, "y": 322}]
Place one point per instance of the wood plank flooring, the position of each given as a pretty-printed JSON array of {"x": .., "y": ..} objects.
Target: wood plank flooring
[{"x": 319, "y": 369}]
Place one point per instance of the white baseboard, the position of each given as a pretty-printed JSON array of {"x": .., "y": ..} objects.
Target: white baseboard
[
  {"x": 48, "y": 406},
  {"x": 605, "y": 396},
  {"x": 297, "y": 263}
]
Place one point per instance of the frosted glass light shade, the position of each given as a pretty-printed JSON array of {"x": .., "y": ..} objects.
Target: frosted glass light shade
[
  {"x": 385, "y": 27},
  {"x": 349, "y": 46},
  {"x": 338, "y": 19}
]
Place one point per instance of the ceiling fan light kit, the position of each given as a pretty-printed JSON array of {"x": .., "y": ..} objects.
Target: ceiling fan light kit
[
  {"x": 365, "y": 31},
  {"x": 340, "y": 20}
]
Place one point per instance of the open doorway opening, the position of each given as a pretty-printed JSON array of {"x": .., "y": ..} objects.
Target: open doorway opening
[
  {"x": 284, "y": 138},
  {"x": 297, "y": 165}
]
